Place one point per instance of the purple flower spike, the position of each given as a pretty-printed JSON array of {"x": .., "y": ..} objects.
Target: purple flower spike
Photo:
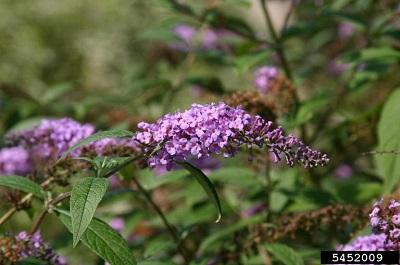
[
  {"x": 204, "y": 130},
  {"x": 14, "y": 160}
]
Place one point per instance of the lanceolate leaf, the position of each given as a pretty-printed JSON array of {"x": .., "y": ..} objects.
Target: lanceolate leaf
[
  {"x": 23, "y": 184},
  {"x": 103, "y": 240},
  {"x": 85, "y": 197},
  {"x": 285, "y": 254},
  {"x": 205, "y": 183},
  {"x": 116, "y": 133},
  {"x": 388, "y": 140}
]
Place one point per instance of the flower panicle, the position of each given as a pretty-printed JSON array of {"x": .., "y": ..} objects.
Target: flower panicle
[{"x": 204, "y": 130}]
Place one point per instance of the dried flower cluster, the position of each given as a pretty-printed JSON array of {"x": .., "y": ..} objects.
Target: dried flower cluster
[
  {"x": 282, "y": 95},
  {"x": 254, "y": 102},
  {"x": 333, "y": 216},
  {"x": 204, "y": 130},
  {"x": 22, "y": 246},
  {"x": 276, "y": 99}
]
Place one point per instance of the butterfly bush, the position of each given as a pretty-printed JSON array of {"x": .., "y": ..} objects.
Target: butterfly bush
[
  {"x": 52, "y": 137},
  {"x": 264, "y": 77},
  {"x": 15, "y": 160},
  {"x": 23, "y": 245},
  {"x": 204, "y": 130}
]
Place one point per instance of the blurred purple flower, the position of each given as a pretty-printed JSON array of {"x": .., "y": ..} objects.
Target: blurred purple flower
[
  {"x": 14, "y": 160},
  {"x": 34, "y": 246},
  {"x": 117, "y": 224},
  {"x": 345, "y": 30},
  {"x": 52, "y": 137},
  {"x": 196, "y": 91},
  {"x": 344, "y": 171},
  {"x": 206, "y": 39},
  {"x": 115, "y": 182},
  {"x": 337, "y": 68},
  {"x": 185, "y": 33},
  {"x": 264, "y": 77},
  {"x": 253, "y": 210},
  {"x": 205, "y": 130},
  {"x": 209, "y": 39}
]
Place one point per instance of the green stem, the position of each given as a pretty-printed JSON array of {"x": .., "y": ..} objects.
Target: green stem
[
  {"x": 282, "y": 57},
  {"x": 164, "y": 219},
  {"x": 268, "y": 188},
  {"x": 44, "y": 212},
  {"x": 25, "y": 199},
  {"x": 276, "y": 39}
]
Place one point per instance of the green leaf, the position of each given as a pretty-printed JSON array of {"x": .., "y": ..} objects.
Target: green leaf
[
  {"x": 355, "y": 19},
  {"x": 116, "y": 133},
  {"x": 149, "y": 181},
  {"x": 155, "y": 262},
  {"x": 388, "y": 139},
  {"x": 206, "y": 184},
  {"x": 245, "y": 62},
  {"x": 23, "y": 184},
  {"x": 102, "y": 240},
  {"x": 85, "y": 197},
  {"x": 379, "y": 54},
  {"x": 25, "y": 124},
  {"x": 309, "y": 108},
  {"x": 285, "y": 254},
  {"x": 55, "y": 92}
]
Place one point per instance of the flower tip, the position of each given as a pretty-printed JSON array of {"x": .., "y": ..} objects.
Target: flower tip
[{"x": 218, "y": 219}]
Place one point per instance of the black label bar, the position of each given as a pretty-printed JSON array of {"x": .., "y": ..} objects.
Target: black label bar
[{"x": 360, "y": 257}]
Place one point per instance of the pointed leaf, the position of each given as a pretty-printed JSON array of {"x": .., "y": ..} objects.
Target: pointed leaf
[
  {"x": 285, "y": 254},
  {"x": 388, "y": 140},
  {"x": 85, "y": 197},
  {"x": 23, "y": 184},
  {"x": 205, "y": 183},
  {"x": 103, "y": 240},
  {"x": 116, "y": 133}
]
